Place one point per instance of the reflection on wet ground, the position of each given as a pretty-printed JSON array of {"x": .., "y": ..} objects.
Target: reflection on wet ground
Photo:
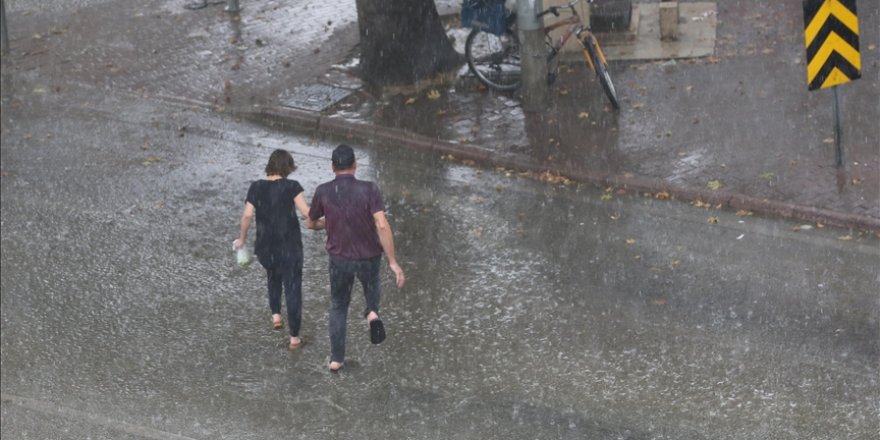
[{"x": 531, "y": 311}]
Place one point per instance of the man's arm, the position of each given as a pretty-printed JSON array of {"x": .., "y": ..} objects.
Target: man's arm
[
  {"x": 386, "y": 238},
  {"x": 246, "y": 217}
]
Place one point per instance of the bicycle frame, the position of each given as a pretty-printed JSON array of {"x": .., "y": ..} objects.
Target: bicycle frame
[{"x": 576, "y": 28}]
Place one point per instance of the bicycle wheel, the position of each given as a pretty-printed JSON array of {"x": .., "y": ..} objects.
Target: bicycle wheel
[
  {"x": 601, "y": 68},
  {"x": 494, "y": 59}
]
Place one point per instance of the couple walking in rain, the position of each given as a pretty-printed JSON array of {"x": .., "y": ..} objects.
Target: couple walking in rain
[{"x": 358, "y": 233}]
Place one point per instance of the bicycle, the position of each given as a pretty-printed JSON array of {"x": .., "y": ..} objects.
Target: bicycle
[{"x": 494, "y": 57}]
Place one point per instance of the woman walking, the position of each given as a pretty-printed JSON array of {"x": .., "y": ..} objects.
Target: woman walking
[{"x": 278, "y": 247}]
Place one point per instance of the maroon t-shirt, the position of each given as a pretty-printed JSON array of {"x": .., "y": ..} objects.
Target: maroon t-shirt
[{"x": 348, "y": 205}]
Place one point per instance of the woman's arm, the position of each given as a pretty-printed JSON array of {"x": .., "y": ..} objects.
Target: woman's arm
[
  {"x": 246, "y": 217},
  {"x": 303, "y": 208}
]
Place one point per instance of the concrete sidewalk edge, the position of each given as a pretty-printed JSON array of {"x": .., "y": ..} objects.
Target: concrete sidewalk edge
[{"x": 317, "y": 124}]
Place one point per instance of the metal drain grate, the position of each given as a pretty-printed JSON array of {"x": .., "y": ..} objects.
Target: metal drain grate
[{"x": 315, "y": 97}]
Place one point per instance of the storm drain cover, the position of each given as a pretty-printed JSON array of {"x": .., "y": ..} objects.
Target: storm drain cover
[{"x": 315, "y": 97}]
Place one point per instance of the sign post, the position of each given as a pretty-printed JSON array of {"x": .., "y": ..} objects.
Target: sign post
[{"x": 831, "y": 33}]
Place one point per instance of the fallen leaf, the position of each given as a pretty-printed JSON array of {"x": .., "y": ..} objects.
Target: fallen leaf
[
  {"x": 441, "y": 112},
  {"x": 768, "y": 175},
  {"x": 630, "y": 241},
  {"x": 743, "y": 213},
  {"x": 662, "y": 195},
  {"x": 583, "y": 115},
  {"x": 828, "y": 141},
  {"x": 151, "y": 160},
  {"x": 637, "y": 106},
  {"x": 433, "y": 94},
  {"x": 714, "y": 184},
  {"x": 845, "y": 238},
  {"x": 676, "y": 263},
  {"x": 858, "y": 181},
  {"x": 39, "y": 91},
  {"x": 701, "y": 204},
  {"x": 713, "y": 220},
  {"x": 615, "y": 216},
  {"x": 606, "y": 197},
  {"x": 410, "y": 101},
  {"x": 563, "y": 92},
  {"x": 660, "y": 301}
]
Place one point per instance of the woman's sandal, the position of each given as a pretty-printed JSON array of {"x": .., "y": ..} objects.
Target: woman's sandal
[
  {"x": 296, "y": 346},
  {"x": 277, "y": 324},
  {"x": 336, "y": 370}
]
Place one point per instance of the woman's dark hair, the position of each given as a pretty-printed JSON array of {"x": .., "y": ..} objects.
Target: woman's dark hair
[{"x": 280, "y": 163}]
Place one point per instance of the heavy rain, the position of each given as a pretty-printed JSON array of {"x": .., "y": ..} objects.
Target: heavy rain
[{"x": 537, "y": 305}]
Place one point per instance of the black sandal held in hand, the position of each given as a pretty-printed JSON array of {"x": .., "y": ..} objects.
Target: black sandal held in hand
[{"x": 377, "y": 331}]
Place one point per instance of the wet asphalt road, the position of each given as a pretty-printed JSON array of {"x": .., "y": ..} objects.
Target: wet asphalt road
[{"x": 532, "y": 310}]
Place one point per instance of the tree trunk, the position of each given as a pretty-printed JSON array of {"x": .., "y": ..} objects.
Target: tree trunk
[{"x": 403, "y": 42}]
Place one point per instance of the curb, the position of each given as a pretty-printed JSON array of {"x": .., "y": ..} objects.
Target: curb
[{"x": 315, "y": 123}]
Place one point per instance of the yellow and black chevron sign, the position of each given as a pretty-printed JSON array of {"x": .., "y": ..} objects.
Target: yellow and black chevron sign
[{"x": 831, "y": 31}]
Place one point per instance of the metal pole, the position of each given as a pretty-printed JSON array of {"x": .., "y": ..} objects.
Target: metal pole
[
  {"x": 533, "y": 55},
  {"x": 4, "y": 33},
  {"x": 232, "y": 6},
  {"x": 839, "y": 147}
]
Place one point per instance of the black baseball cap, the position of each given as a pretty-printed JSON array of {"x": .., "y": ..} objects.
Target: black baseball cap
[{"x": 343, "y": 157}]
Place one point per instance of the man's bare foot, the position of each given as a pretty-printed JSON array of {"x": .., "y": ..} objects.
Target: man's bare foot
[
  {"x": 372, "y": 316},
  {"x": 336, "y": 366}
]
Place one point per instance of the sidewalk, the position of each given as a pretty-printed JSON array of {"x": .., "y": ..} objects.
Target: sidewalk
[{"x": 737, "y": 129}]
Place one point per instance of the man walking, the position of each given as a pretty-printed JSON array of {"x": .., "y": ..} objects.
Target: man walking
[{"x": 357, "y": 235}]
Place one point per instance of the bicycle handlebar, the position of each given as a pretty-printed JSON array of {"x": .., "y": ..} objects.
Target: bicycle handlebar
[{"x": 555, "y": 9}]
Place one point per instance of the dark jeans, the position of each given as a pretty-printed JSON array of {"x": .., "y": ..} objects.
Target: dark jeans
[
  {"x": 342, "y": 274},
  {"x": 286, "y": 272}
]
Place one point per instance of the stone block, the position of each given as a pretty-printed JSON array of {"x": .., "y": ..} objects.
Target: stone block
[{"x": 668, "y": 20}]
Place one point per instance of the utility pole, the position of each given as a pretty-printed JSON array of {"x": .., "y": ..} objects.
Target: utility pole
[
  {"x": 4, "y": 33},
  {"x": 533, "y": 55}
]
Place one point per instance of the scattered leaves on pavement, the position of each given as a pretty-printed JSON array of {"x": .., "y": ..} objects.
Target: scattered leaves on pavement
[{"x": 767, "y": 175}]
